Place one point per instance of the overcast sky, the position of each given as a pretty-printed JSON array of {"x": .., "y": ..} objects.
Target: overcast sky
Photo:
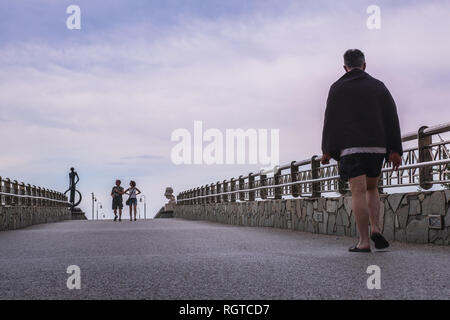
[{"x": 105, "y": 99}]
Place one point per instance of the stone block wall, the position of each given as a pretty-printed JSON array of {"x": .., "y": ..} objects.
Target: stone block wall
[
  {"x": 403, "y": 216},
  {"x": 16, "y": 217}
]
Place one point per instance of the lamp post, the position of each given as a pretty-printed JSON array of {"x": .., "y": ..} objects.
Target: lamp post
[
  {"x": 145, "y": 205},
  {"x": 93, "y": 200},
  {"x": 98, "y": 203}
]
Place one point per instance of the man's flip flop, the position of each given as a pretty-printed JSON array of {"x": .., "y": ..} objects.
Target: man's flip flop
[
  {"x": 380, "y": 241},
  {"x": 356, "y": 249}
]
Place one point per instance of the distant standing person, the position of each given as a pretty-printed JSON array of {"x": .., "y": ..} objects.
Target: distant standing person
[
  {"x": 117, "y": 201},
  {"x": 361, "y": 128},
  {"x": 132, "y": 200}
]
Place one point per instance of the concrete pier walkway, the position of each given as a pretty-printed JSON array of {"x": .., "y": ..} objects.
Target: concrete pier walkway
[{"x": 178, "y": 259}]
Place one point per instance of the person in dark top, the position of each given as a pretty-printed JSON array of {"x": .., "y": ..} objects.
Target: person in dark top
[
  {"x": 117, "y": 201},
  {"x": 361, "y": 129}
]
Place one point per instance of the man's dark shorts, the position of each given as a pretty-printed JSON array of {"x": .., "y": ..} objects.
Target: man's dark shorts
[
  {"x": 358, "y": 164},
  {"x": 117, "y": 203}
]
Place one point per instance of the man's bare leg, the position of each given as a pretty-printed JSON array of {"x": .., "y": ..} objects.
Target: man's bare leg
[
  {"x": 360, "y": 209},
  {"x": 373, "y": 201}
]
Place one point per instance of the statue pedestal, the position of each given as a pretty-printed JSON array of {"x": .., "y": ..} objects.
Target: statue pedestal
[
  {"x": 170, "y": 206},
  {"x": 78, "y": 214},
  {"x": 162, "y": 213}
]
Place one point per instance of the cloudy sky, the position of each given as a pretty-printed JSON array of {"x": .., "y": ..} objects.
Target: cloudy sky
[{"x": 107, "y": 98}]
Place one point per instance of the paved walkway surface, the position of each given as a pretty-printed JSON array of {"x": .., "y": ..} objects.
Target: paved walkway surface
[{"x": 178, "y": 259}]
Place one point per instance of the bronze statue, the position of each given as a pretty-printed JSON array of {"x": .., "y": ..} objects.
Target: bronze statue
[{"x": 72, "y": 188}]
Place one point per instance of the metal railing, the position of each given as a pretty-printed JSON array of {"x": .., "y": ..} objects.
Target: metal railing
[
  {"x": 14, "y": 193},
  {"x": 425, "y": 165}
]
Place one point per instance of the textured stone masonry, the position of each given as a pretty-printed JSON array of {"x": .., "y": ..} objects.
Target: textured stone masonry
[
  {"x": 403, "y": 217},
  {"x": 16, "y": 217}
]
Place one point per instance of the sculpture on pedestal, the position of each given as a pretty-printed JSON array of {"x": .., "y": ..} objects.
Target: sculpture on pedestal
[
  {"x": 73, "y": 180},
  {"x": 169, "y": 206},
  {"x": 72, "y": 188}
]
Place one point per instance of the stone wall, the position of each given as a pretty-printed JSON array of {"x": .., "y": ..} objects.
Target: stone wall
[
  {"x": 16, "y": 217},
  {"x": 403, "y": 217}
]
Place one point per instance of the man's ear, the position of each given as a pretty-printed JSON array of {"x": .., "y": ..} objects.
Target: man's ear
[
  {"x": 364, "y": 66},
  {"x": 345, "y": 68}
]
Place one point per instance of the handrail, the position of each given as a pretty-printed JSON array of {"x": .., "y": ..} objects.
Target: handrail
[
  {"x": 14, "y": 193},
  {"x": 425, "y": 165},
  {"x": 31, "y": 197}
]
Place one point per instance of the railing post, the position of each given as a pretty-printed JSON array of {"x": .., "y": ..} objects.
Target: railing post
[
  {"x": 208, "y": 192},
  {"x": 7, "y": 188},
  {"x": 46, "y": 195},
  {"x": 202, "y": 193},
  {"x": 198, "y": 193},
  {"x": 21, "y": 191},
  {"x": 425, "y": 173},
  {"x": 241, "y": 187},
  {"x": 263, "y": 183},
  {"x": 233, "y": 188},
  {"x": 295, "y": 188},
  {"x": 33, "y": 193},
  {"x": 218, "y": 191},
  {"x": 43, "y": 194},
  {"x": 52, "y": 196},
  {"x": 225, "y": 189},
  {"x": 212, "y": 199},
  {"x": 276, "y": 181},
  {"x": 251, "y": 185},
  {"x": 315, "y": 169},
  {"x": 28, "y": 193},
  {"x": 39, "y": 194},
  {"x": 16, "y": 192}
]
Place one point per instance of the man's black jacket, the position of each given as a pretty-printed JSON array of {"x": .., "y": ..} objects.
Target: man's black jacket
[{"x": 360, "y": 113}]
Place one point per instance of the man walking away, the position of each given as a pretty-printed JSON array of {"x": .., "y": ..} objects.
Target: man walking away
[
  {"x": 117, "y": 201},
  {"x": 361, "y": 128}
]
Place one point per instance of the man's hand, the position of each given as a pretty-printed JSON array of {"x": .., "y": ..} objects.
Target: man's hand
[
  {"x": 325, "y": 158},
  {"x": 396, "y": 160}
]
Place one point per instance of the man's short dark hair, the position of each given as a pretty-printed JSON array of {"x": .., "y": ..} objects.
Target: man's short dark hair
[{"x": 354, "y": 58}]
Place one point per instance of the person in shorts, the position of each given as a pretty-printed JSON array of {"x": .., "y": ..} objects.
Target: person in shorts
[
  {"x": 361, "y": 129},
  {"x": 117, "y": 201},
  {"x": 132, "y": 192}
]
